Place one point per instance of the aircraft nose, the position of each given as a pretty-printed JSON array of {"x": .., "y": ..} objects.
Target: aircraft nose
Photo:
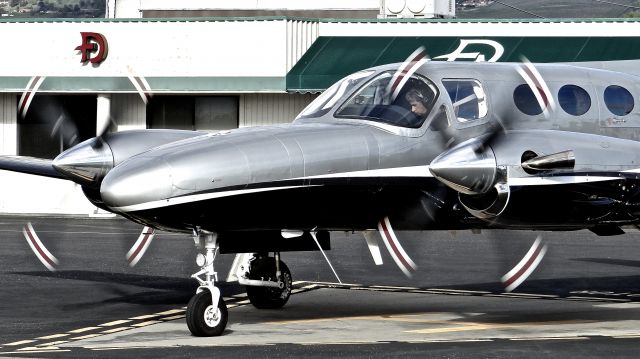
[
  {"x": 86, "y": 163},
  {"x": 136, "y": 182}
]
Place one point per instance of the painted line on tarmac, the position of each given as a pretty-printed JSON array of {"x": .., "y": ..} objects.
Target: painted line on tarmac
[
  {"x": 32, "y": 346},
  {"x": 82, "y": 330},
  {"x": 21, "y": 342},
  {"x": 54, "y": 336},
  {"x": 114, "y": 323},
  {"x": 632, "y": 297},
  {"x": 551, "y": 338}
]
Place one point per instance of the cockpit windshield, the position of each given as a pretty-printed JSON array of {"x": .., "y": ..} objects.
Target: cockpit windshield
[
  {"x": 330, "y": 96},
  {"x": 394, "y": 99}
]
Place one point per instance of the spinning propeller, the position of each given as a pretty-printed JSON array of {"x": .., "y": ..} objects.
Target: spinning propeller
[
  {"x": 471, "y": 169},
  {"x": 85, "y": 165}
]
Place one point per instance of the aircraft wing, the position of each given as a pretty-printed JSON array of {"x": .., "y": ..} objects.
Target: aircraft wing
[{"x": 30, "y": 165}]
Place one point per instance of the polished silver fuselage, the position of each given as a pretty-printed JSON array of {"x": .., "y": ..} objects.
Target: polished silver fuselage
[{"x": 346, "y": 174}]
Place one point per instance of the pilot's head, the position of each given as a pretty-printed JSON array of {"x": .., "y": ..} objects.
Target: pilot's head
[{"x": 418, "y": 102}]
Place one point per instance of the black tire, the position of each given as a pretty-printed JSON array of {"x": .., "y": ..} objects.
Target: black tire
[
  {"x": 198, "y": 305},
  {"x": 267, "y": 297}
]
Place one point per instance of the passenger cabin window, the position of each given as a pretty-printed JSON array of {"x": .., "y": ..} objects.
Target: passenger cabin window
[
  {"x": 574, "y": 100},
  {"x": 392, "y": 99},
  {"x": 618, "y": 100},
  {"x": 526, "y": 101},
  {"x": 468, "y": 98}
]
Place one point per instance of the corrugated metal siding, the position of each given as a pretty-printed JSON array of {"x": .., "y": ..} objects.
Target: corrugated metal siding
[
  {"x": 267, "y": 109},
  {"x": 128, "y": 111},
  {"x": 9, "y": 121},
  {"x": 300, "y": 36}
]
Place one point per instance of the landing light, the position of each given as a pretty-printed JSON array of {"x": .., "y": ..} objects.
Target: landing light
[{"x": 200, "y": 260}]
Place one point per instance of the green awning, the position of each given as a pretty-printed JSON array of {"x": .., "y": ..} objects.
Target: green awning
[{"x": 331, "y": 58}]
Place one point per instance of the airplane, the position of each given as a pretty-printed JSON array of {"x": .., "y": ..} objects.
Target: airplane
[{"x": 419, "y": 145}]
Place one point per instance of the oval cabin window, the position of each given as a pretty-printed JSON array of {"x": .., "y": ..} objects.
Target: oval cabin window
[
  {"x": 574, "y": 100},
  {"x": 618, "y": 100},
  {"x": 526, "y": 101}
]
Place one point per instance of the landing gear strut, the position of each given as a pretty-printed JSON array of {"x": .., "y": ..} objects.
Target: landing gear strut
[{"x": 204, "y": 318}]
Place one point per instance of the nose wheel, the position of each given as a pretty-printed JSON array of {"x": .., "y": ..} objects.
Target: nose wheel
[{"x": 205, "y": 319}]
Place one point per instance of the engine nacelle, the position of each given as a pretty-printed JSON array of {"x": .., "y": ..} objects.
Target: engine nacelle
[
  {"x": 469, "y": 167},
  {"x": 487, "y": 205}
]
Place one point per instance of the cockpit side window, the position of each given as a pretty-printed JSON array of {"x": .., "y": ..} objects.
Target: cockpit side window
[
  {"x": 468, "y": 98},
  {"x": 325, "y": 102},
  {"x": 394, "y": 100}
]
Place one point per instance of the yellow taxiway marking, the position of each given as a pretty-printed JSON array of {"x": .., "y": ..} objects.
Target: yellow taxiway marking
[
  {"x": 461, "y": 291},
  {"x": 618, "y": 305},
  {"x": 391, "y": 287},
  {"x": 114, "y": 330},
  {"x": 88, "y": 336},
  {"x": 114, "y": 323},
  {"x": 42, "y": 350},
  {"x": 173, "y": 317},
  {"x": 468, "y": 326},
  {"x": 172, "y": 311},
  {"x": 54, "y": 336},
  {"x": 19, "y": 343},
  {"x": 82, "y": 330},
  {"x": 52, "y": 344},
  {"x": 142, "y": 317},
  {"x": 144, "y": 324},
  {"x": 452, "y": 324},
  {"x": 409, "y": 318},
  {"x": 549, "y": 338}
]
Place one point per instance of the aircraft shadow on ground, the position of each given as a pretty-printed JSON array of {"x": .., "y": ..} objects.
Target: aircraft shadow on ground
[
  {"x": 121, "y": 287},
  {"x": 620, "y": 262}
]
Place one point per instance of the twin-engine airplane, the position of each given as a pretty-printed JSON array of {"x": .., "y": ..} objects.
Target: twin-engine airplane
[{"x": 419, "y": 145}]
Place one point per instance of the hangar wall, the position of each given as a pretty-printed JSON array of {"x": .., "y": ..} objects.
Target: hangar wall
[
  {"x": 128, "y": 112},
  {"x": 8, "y": 127},
  {"x": 267, "y": 109}
]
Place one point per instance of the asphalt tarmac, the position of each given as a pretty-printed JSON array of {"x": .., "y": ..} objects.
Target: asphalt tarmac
[{"x": 583, "y": 299}]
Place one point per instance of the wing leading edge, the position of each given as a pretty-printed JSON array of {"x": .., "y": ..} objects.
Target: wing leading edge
[{"x": 30, "y": 165}]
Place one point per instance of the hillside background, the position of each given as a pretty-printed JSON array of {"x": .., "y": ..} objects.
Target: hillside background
[
  {"x": 506, "y": 9},
  {"x": 52, "y": 8},
  {"x": 466, "y": 9}
]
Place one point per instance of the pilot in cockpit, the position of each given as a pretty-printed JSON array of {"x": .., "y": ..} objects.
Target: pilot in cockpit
[{"x": 419, "y": 102}]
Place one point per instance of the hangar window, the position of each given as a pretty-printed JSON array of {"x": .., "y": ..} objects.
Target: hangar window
[
  {"x": 574, "y": 100},
  {"x": 55, "y": 123},
  {"x": 526, "y": 101},
  {"x": 202, "y": 113},
  {"x": 618, "y": 100},
  {"x": 392, "y": 99},
  {"x": 468, "y": 98}
]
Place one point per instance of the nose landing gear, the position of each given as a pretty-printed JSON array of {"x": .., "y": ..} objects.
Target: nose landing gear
[
  {"x": 267, "y": 279},
  {"x": 204, "y": 318}
]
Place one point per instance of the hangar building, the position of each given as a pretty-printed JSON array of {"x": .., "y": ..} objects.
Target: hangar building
[{"x": 158, "y": 65}]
